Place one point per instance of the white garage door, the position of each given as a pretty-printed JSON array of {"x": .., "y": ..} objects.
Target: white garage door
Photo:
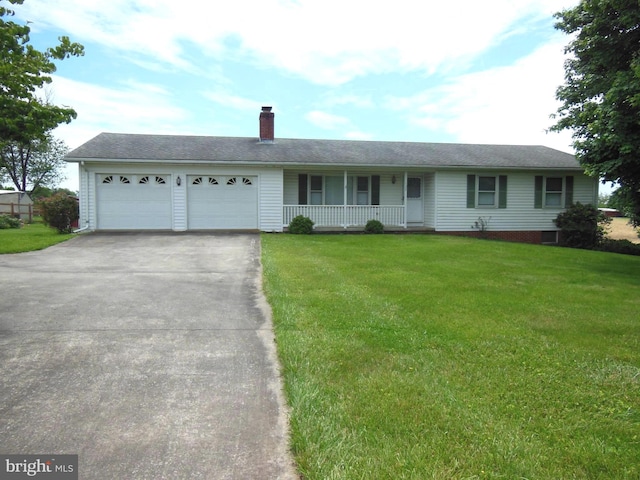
[
  {"x": 222, "y": 202},
  {"x": 127, "y": 202}
]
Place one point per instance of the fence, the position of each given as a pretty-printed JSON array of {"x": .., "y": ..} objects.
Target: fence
[
  {"x": 346, "y": 215},
  {"x": 18, "y": 210}
]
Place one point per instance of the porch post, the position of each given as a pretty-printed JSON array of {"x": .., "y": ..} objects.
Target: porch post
[
  {"x": 344, "y": 202},
  {"x": 406, "y": 181}
]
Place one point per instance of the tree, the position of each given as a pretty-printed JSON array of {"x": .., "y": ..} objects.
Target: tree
[
  {"x": 601, "y": 95},
  {"x": 621, "y": 201},
  {"x": 35, "y": 164},
  {"x": 45, "y": 192},
  {"x": 23, "y": 72}
]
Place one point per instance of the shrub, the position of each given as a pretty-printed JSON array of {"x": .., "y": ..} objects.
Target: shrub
[
  {"x": 374, "y": 226},
  {"x": 7, "y": 221},
  {"x": 619, "y": 246},
  {"x": 582, "y": 226},
  {"x": 301, "y": 225},
  {"x": 59, "y": 211}
]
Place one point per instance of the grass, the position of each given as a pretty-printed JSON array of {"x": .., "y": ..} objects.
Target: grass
[
  {"x": 33, "y": 236},
  {"x": 432, "y": 357}
]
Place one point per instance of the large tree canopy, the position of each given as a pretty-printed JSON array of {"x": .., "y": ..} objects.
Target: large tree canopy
[
  {"x": 23, "y": 72},
  {"x": 35, "y": 164},
  {"x": 601, "y": 95}
]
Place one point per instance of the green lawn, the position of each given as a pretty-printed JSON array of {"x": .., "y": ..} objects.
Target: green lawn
[
  {"x": 34, "y": 236},
  {"x": 433, "y": 357}
]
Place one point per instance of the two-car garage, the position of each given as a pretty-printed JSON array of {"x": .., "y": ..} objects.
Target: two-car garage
[{"x": 149, "y": 201}]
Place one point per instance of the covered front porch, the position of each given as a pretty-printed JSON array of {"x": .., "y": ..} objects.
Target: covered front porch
[{"x": 349, "y": 199}]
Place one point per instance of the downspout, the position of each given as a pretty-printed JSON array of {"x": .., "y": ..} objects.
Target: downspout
[{"x": 86, "y": 227}]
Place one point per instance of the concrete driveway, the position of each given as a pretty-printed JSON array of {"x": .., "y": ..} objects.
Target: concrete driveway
[{"x": 149, "y": 355}]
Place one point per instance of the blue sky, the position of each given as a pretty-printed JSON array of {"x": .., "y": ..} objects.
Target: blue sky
[{"x": 408, "y": 70}]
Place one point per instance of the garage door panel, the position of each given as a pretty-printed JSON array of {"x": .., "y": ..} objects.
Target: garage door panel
[
  {"x": 229, "y": 202},
  {"x": 134, "y": 202}
]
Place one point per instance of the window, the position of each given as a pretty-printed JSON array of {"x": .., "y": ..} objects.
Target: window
[
  {"x": 484, "y": 191},
  {"x": 124, "y": 179},
  {"x": 213, "y": 181},
  {"x": 144, "y": 180},
  {"x": 330, "y": 190},
  {"x": 315, "y": 194},
  {"x": 108, "y": 179},
  {"x": 553, "y": 192},
  {"x": 362, "y": 193},
  {"x": 231, "y": 181},
  {"x": 414, "y": 188}
]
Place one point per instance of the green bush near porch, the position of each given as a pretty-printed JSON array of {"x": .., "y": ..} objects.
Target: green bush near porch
[
  {"x": 374, "y": 226},
  {"x": 411, "y": 356},
  {"x": 301, "y": 225}
]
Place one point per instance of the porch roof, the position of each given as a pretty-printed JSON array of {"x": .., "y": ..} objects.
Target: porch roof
[{"x": 119, "y": 147}]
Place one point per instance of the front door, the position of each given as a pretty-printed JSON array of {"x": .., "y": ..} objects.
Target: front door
[{"x": 415, "y": 212}]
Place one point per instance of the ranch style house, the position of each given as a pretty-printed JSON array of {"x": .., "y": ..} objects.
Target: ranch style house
[{"x": 184, "y": 183}]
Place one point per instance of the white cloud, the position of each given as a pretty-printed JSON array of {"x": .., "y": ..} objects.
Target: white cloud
[
  {"x": 335, "y": 99},
  {"x": 324, "y": 41},
  {"x": 510, "y": 105},
  {"x": 326, "y": 120},
  {"x": 342, "y": 126},
  {"x": 130, "y": 107},
  {"x": 357, "y": 135},
  {"x": 233, "y": 101}
]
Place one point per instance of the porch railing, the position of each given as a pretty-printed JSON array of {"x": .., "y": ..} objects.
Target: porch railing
[{"x": 346, "y": 215}]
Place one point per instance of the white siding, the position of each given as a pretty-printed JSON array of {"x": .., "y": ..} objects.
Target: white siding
[
  {"x": 453, "y": 215},
  {"x": 270, "y": 200},
  {"x": 391, "y": 193},
  {"x": 429, "y": 195},
  {"x": 180, "y": 202}
]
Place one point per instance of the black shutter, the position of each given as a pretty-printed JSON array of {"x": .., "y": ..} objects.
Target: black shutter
[
  {"x": 502, "y": 194},
  {"x": 302, "y": 189},
  {"x": 471, "y": 191},
  {"x": 568, "y": 196},
  {"x": 537, "y": 201},
  {"x": 375, "y": 189}
]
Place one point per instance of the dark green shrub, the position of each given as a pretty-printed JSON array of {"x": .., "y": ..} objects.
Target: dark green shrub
[
  {"x": 301, "y": 225},
  {"x": 581, "y": 226},
  {"x": 7, "y": 221},
  {"x": 374, "y": 226},
  {"x": 59, "y": 212},
  {"x": 619, "y": 246}
]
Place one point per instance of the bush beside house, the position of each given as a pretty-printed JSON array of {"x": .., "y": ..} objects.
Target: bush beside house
[
  {"x": 60, "y": 212},
  {"x": 301, "y": 225},
  {"x": 584, "y": 226}
]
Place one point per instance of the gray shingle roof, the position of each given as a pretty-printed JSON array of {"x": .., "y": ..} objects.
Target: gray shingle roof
[{"x": 285, "y": 151}]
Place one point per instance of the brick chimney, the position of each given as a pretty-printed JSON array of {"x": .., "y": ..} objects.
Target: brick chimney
[{"x": 266, "y": 125}]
